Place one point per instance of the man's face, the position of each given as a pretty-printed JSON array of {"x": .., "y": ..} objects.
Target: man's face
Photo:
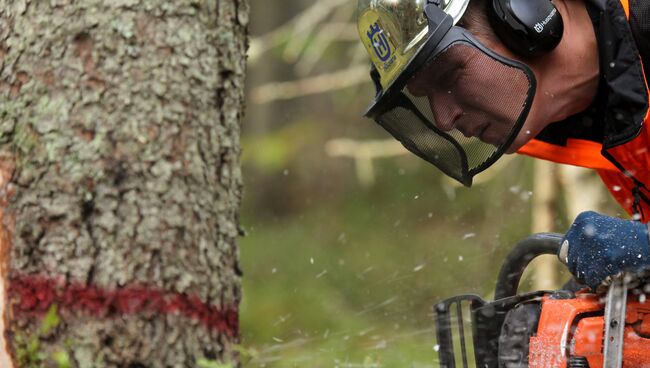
[{"x": 473, "y": 93}]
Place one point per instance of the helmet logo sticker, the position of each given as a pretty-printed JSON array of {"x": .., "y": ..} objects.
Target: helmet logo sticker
[
  {"x": 383, "y": 39},
  {"x": 381, "y": 46},
  {"x": 379, "y": 42}
]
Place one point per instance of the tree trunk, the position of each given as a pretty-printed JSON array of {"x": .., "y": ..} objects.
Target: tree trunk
[{"x": 120, "y": 129}]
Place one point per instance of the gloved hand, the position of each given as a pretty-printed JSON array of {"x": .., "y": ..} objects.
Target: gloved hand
[{"x": 597, "y": 246}]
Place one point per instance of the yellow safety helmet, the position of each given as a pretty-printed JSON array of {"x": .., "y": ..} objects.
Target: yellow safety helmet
[{"x": 393, "y": 30}]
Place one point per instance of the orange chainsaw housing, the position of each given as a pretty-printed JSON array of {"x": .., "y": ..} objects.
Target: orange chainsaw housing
[{"x": 575, "y": 328}]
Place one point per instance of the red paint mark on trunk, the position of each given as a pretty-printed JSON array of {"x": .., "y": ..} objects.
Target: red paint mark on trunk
[{"x": 33, "y": 295}]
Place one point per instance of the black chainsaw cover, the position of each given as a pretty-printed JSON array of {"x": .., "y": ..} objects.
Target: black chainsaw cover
[{"x": 519, "y": 325}]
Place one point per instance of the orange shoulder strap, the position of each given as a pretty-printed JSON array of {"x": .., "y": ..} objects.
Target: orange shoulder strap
[{"x": 626, "y": 7}]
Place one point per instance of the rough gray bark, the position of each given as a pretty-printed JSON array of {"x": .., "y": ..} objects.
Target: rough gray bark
[{"x": 122, "y": 117}]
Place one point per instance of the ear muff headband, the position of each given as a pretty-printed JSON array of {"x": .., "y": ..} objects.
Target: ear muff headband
[{"x": 527, "y": 27}]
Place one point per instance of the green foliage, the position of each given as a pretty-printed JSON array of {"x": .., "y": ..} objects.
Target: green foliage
[
  {"x": 371, "y": 361},
  {"x": 29, "y": 352},
  {"x": 269, "y": 153},
  {"x": 246, "y": 354},
  {"x": 274, "y": 151},
  {"x": 205, "y": 363},
  {"x": 350, "y": 279},
  {"x": 62, "y": 359},
  {"x": 50, "y": 321}
]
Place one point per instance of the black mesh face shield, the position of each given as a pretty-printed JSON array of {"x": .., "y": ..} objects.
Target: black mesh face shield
[{"x": 458, "y": 104}]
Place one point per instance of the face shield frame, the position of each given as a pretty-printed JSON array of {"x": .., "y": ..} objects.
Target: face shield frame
[{"x": 442, "y": 35}]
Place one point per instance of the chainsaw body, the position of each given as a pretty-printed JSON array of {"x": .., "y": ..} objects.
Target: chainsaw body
[
  {"x": 570, "y": 333},
  {"x": 541, "y": 329}
]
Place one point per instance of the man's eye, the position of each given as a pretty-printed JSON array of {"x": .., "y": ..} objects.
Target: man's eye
[{"x": 450, "y": 76}]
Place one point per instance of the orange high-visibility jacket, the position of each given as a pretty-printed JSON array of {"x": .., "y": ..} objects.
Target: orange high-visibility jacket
[{"x": 612, "y": 136}]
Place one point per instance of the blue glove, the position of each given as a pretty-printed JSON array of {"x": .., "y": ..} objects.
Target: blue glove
[{"x": 597, "y": 246}]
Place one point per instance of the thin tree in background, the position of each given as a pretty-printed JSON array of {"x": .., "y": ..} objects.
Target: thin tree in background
[
  {"x": 546, "y": 190},
  {"x": 120, "y": 150}
]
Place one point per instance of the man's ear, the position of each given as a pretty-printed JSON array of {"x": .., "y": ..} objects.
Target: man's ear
[{"x": 529, "y": 28}]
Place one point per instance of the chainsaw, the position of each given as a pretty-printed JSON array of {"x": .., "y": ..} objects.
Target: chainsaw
[{"x": 542, "y": 329}]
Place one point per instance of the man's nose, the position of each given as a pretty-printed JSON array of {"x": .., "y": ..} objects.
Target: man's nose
[{"x": 445, "y": 108}]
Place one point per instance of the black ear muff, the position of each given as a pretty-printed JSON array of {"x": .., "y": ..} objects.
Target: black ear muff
[{"x": 527, "y": 27}]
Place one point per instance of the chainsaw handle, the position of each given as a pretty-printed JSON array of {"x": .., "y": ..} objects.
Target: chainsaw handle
[{"x": 520, "y": 256}]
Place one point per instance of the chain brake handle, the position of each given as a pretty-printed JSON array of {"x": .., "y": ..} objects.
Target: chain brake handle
[{"x": 487, "y": 317}]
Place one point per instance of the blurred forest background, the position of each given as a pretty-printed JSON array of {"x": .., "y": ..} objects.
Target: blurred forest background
[{"x": 350, "y": 241}]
